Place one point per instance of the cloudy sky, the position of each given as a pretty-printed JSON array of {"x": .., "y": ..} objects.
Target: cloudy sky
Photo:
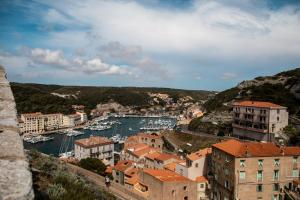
[{"x": 190, "y": 44}]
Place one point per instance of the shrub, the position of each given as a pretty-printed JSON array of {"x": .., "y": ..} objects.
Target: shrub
[{"x": 93, "y": 164}]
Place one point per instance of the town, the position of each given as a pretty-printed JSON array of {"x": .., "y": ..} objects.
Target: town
[{"x": 150, "y": 100}]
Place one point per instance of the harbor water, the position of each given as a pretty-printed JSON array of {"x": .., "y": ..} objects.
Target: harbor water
[{"x": 128, "y": 126}]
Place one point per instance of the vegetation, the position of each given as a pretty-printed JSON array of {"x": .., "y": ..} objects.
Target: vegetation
[
  {"x": 93, "y": 164},
  {"x": 38, "y": 97},
  {"x": 52, "y": 180},
  {"x": 276, "y": 93},
  {"x": 293, "y": 133}
]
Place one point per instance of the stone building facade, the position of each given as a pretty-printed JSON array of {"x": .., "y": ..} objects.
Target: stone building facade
[{"x": 252, "y": 170}]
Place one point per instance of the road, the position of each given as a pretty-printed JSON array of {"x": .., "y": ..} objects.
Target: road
[{"x": 121, "y": 192}]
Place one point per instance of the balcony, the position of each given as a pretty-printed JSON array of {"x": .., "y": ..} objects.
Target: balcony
[{"x": 249, "y": 128}]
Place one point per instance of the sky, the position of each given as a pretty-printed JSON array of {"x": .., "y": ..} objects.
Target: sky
[{"x": 188, "y": 44}]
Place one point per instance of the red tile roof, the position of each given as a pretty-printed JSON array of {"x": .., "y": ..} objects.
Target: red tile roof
[
  {"x": 123, "y": 165},
  {"x": 199, "y": 154},
  {"x": 201, "y": 179},
  {"x": 166, "y": 175},
  {"x": 153, "y": 155},
  {"x": 109, "y": 169},
  {"x": 166, "y": 156},
  {"x": 133, "y": 180},
  {"x": 259, "y": 104},
  {"x": 93, "y": 141},
  {"x": 255, "y": 149},
  {"x": 171, "y": 166},
  {"x": 131, "y": 172}
]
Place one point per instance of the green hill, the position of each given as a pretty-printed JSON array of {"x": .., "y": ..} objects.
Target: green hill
[
  {"x": 31, "y": 97},
  {"x": 282, "y": 88}
]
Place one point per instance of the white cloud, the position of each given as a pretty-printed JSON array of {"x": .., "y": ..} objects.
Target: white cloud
[
  {"x": 56, "y": 58},
  {"x": 228, "y": 75}
]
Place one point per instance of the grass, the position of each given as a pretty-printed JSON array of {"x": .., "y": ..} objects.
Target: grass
[{"x": 181, "y": 140}]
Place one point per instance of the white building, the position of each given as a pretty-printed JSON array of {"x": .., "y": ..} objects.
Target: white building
[
  {"x": 256, "y": 120},
  {"x": 37, "y": 123},
  {"x": 95, "y": 147},
  {"x": 71, "y": 120}
]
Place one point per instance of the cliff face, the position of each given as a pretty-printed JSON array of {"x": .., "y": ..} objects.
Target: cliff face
[{"x": 15, "y": 177}]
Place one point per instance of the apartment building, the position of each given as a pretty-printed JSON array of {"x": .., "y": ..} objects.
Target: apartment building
[
  {"x": 159, "y": 184},
  {"x": 95, "y": 147},
  {"x": 260, "y": 121},
  {"x": 151, "y": 139},
  {"x": 252, "y": 170},
  {"x": 37, "y": 123},
  {"x": 72, "y": 120},
  {"x": 157, "y": 160}
]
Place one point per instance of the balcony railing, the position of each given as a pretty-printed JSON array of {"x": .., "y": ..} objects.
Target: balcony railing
[{"x": 249, "y": 128}]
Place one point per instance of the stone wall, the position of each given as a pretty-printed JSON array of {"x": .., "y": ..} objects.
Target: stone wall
[{"x": 15, "y": 176}]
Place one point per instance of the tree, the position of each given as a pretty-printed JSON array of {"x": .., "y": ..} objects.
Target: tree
[{"x": 93, "y": 164}]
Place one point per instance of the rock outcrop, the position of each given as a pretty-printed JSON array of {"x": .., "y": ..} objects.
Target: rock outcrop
[{"x": 15, "y": 176}]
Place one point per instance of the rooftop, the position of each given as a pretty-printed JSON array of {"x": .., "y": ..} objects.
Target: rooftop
[
  {"x": 258, "y": 104},
  {"x": 171, "y": 166},
  {"x": 166, "y": 156},
  {"x": 201, "y": 179},
  {"x": 93, "y": 141},
  {"x": 123, "y": 165},
  {"x": 255, "y": 149},
  {"x": 166, "y": 175},
  {"x": 199, "y": 154}
]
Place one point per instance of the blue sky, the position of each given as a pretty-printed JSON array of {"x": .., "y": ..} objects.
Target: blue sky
[{"x": 187, "y": 44}]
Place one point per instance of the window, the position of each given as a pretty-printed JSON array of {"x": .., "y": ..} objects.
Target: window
[
  {"x": 260, "y": 163},
  {"x": 295, "y": 159},
  {"x": 275, "y": 197},
  {"x": 276, "y": 162},
  {"x": 242, "y": 163},
  {"x": 259, "y": 175},
  {"x": 173, "y": 192},
  {"x": 295, "y": 173},
  {"x": 184, "y": 188},
  {"x": 278, "y": 111},
  {"x": 276, "y": 175},
  {"x": 277, "y": 119},
  {"x": 226, "y": 172},
  {"x": 196, "y": 165},
  {"x": 226, "y": 184},
  {"x": 185, "y": 198},
  {"x": 276, "y": 187},
  {"x": 201, "y": 185},
  {"x": 242, "y": 175},
  {"x": 259, "y": 188}
]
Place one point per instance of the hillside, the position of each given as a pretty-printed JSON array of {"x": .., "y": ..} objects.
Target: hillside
[
  {"x": 282, "y": 88},
  {"x": 57, "y": 98}
]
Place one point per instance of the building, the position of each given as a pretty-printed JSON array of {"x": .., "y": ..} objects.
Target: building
[
  {"x": 252, "y": 170},
  {"x": 164, "y": 184},
  {"x": 71, "y": 120},
  {"x": 197, "y": 164},
  {"x": 78, "y": 108},
  {"x": 153, "y": 140},
  {"x": 202, "y": 188},
  {"x": 137, "y": 153},
  {"x": 118, "y": 171},
  {"x": 95, "y": 147},
  {"x": 38, "y": 123},
  {"x": 256, "y": 120}
]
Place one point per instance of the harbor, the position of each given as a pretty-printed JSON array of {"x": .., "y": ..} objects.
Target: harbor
[{"x": 119, "y": 128}]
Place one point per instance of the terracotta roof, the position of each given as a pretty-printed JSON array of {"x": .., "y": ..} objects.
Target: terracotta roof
[
  {"x": 166, "y": 175},
  {"x": 171, "y": 166},
  {"x": 291, "y": 151},
  {"x": 109, "y": 169},
  {"x": 123, "y": 165},
  {"x": 255, "y": 149},
  {"x": 199, "y": 154},
  {"x": 133, "y": 180},
  {"x": 201, "y": 179},
  {"x": 153, "y": 155},
  {"x": 259, "y": 104},
  {"x": 139, "y": 150},
  {"x": 93, "y": 141},
  {"x": 131, "y": 172},
  {"x": 166, "y": 156},
  {"x": 149, "y": 135}
]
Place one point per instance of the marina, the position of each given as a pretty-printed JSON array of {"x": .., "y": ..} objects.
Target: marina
[{"x": 121, "y": 127}]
